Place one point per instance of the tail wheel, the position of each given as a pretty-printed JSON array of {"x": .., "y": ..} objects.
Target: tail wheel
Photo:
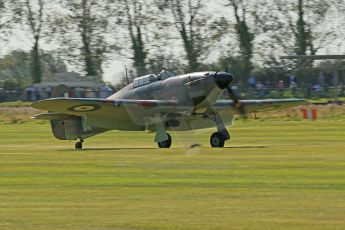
[
  {"x": 217, "y": 140},
  {"x": 166, "y": 143},
  {"x": 78, "y": 145}
]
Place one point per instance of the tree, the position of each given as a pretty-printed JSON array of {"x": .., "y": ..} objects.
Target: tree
[
  {"x": 149, "y": 31},
  {"x": 83, "y": 30},
  {"x": 9, "y": 14},
  {"x": 3, "y": 14},
  {"x": 299, "y": 28},
  {"x": 311, "y": 30},
  {"x": 16, "y": 66},
  {"x": 244, "y": 35},
  {"x": 35, "y": 21},
  {"x": 191, "y": 24},
  {"x": 33, "y": 17},
  {"x": 135, "y": 20},
  {"x": 2, "y": 11},
  {"x": 302, "y": 36}
]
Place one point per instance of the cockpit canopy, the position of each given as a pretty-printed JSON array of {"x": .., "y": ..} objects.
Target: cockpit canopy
[{"x": 144, "y": 80}]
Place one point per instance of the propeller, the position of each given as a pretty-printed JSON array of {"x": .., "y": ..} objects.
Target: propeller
[
  {"x": 223, "y": 80},
  {"x": 238, "y": 105}
]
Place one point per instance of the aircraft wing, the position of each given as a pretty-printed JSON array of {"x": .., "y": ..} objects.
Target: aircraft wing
[
  {"x": 127, "y": 110},
  {"x": 256, "y": 105}
]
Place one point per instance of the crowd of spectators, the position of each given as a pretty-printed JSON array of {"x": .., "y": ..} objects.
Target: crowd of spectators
[
  {"x": 290, "y": 86},
  {"x": 34, "y": 94}
]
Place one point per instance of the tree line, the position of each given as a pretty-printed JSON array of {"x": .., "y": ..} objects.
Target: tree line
[{"x": 183, "y": 35}]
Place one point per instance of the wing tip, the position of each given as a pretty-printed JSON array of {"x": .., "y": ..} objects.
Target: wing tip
[{"x": 37, "y": 104}]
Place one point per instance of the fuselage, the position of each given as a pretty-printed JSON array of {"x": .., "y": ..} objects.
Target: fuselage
[{"x": 196, "y": 89}]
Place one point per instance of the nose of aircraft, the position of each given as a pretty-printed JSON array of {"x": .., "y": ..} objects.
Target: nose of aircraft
[{"x": 223, "y": 79}]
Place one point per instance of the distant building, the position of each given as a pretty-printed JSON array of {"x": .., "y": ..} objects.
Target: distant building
[
  {"x": 82, "y": 86},
  {"x": 71, "y": 79}
]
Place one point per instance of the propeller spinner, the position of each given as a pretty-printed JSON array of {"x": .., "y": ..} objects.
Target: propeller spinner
[{"x": 224, "y": 80}]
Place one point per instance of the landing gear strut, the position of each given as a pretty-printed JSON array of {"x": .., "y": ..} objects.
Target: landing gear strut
[
  {"x": 218, "y": 138},
  {"x": 166, "y": 143},
  {"x": 79, "y": 144}
]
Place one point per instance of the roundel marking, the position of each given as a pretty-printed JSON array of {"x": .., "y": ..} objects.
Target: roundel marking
[{"x": 84, "y": 108}]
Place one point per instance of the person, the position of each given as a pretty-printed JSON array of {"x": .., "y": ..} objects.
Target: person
[
  {"x": 268, "y": 88},
  {"x": 317, "y": 87},
  {"x": 323, "y": 84},
  {"x": 293, "y": 87},
  {"x": 29, "y": 92},
  {"x": 2, "y": 95},
  {"x": 281, "y": 87},
  {"x": 252, "y": 82},
  {"x": 49, "y": 91},
  {"x": 37, "y": 93},
  {"x": 321, "y": 79},
  {"x": 79, "y": 92},
  {"x": 342, "y": 89},
  {"x": 164, "y": 74},
  {"x": 260, "y": 88},
  {"x": 292, "y": 79}
]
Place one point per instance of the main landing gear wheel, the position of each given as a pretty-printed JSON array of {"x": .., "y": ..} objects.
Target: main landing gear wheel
[
  {"x": 166, "y": 143},
  {"x": 217, "y": 140},
  {"x": 79, "y": 144}
]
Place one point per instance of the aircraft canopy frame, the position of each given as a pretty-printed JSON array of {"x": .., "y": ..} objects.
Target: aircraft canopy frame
[{"x": 144, "y": 80}]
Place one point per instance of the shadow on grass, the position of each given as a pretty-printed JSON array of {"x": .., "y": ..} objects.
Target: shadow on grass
[
  {"x": 155, "y": 148},
  {"x": 247, "y": 147},
  {"x": 105, "y": 149}
]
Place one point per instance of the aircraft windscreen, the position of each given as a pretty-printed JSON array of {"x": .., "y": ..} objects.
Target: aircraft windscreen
[{"x": 144, "y": 80}]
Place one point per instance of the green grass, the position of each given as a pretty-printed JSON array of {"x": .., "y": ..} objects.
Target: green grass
[
  {"x": 16, "y": 104},
  {"x": 272, "y": 175}
]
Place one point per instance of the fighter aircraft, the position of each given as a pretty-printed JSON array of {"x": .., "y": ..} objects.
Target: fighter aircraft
[{"x": 178, "y": 103}]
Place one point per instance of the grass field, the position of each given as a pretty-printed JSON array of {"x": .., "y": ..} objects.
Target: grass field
[{"x": 272, "y": 175}]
